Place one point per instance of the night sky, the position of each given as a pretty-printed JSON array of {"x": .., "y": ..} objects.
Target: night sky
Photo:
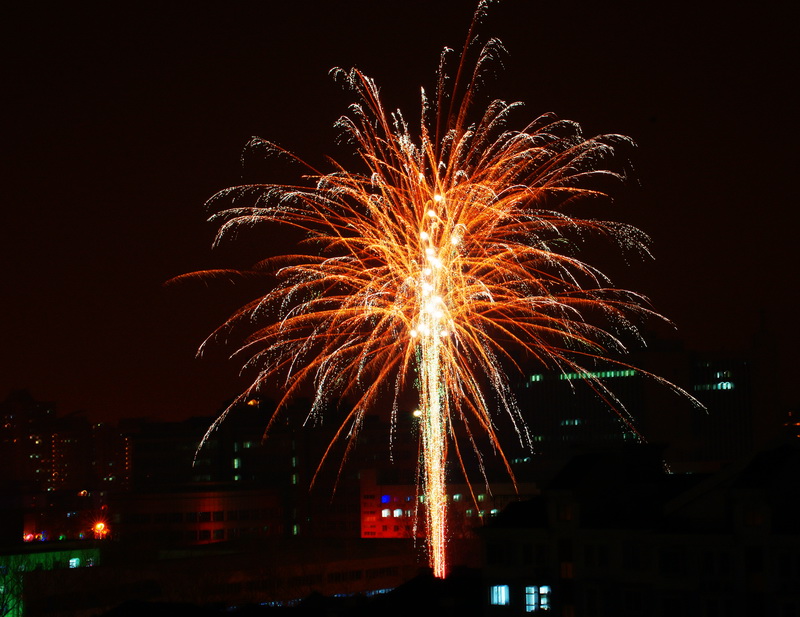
[{"x": 120, "y": 121}]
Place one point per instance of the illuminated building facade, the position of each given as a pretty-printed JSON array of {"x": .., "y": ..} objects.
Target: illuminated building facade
[
  {"x": 44, "y": 452},
  {"x": 203, "y": 515},
  {"x": 57, "y": 471},
  {"x": 17, "y": 566},
  {"x": 390, "y": 509},
  {"x": 29, "y": 450}
]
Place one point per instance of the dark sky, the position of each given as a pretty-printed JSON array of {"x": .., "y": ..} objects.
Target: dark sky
[{"x": 121, "y": 120}]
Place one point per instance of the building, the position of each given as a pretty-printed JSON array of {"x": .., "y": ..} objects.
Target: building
[
  {"x": 57, "y": 471},
  {"x": 197, "y": 515},
  {"x": 270, "y": 573},
  {"x": 613, "y": 404},
  {"x": 390, "y": 509},
  {"x": 237, "y": 484},
  {"x": 616, "y": 535},
  {"x": 18, "y": 564}
]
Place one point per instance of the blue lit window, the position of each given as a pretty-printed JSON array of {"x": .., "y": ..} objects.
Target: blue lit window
[
  {"x": 531, "y": 599},
  {"x": 537, "y": 598},
  {"x": 498, "y": 595},
  {"x": 544, "y": 597},
  {"x": 74, "y": 562},
  {"x": 386, "y": 498}
]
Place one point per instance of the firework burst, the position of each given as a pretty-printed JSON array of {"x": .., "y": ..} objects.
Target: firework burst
[{"x": 450, "y": 246}]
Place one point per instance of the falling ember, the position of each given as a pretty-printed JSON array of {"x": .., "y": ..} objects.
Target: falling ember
[{"x": 447, "y": 249}]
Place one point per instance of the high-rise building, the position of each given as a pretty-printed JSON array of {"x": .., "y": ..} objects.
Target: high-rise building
[{"x": 709, "y": 423}]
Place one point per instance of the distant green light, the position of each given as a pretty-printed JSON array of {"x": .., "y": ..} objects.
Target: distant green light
[{"x": 598, "y": 375}]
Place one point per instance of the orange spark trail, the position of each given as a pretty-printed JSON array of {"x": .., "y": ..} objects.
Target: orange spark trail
[{"x": 449, "y": 247}]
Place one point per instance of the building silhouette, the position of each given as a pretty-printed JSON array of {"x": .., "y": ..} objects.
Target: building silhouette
[{"x": 614, "y": 534}]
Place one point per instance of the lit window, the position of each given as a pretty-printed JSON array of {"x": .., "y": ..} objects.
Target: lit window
[
  {"x": 457, "y": 497},
  {"x": 481, "y": 497},
  {"x": 386, "y": 512},
  {"x": 498, "y": 595},
  {"x": 237, "y": 463},
  {"x": 398, "y": 512},
  {"x": 537, "y": 598},
  {"x": 75, "y": 562},
  {"x": 531, "y": 599},
  {"x": 544, "y": 597},
  {"x": 386, "y": 498}
]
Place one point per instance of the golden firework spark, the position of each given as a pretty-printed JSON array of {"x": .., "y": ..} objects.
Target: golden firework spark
[{"x": 449, "y": 247}]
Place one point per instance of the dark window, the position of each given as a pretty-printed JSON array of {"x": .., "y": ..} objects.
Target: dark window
[
  {"x": 754, "y": 559},
  {"x": 673, "y": 562}
]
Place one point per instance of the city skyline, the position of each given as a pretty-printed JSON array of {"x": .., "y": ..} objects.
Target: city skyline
[{"x": 122, "y": 129}]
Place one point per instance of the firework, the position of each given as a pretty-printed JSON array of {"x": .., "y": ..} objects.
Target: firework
[{"x": 449, "y": 247}]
